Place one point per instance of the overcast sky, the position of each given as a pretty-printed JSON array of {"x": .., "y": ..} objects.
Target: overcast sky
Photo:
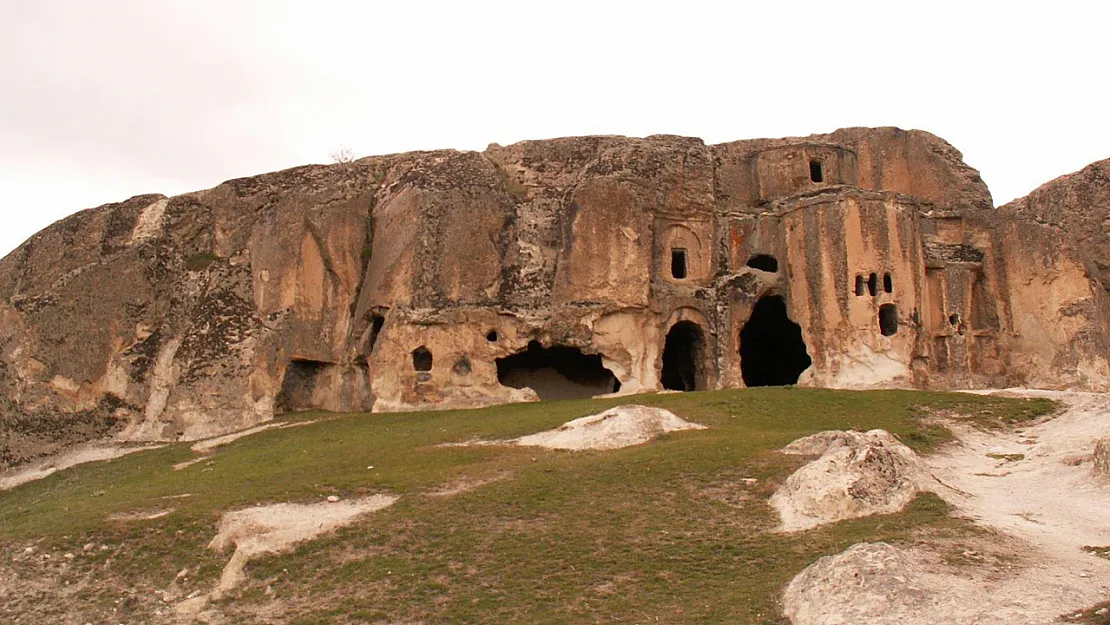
[{"x": 105, "y": 99}]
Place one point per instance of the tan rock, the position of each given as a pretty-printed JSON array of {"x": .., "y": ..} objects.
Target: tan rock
[
  {"x": 546, "y": 269},
  {"x": 1100, "y": 459}
]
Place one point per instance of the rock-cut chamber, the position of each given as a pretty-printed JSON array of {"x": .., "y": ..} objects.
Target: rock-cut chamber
[
  {"x": 683, "y": 354},
  {"x": 557, "y": 372},
  {"x": 772, "y": 351}
]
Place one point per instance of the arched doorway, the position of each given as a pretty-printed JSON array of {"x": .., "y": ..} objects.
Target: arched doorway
[
  {"x": 683, "y": 352},
  {"x": 772, "y": 352}
]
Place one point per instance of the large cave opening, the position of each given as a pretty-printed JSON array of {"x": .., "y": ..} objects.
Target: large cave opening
[
  {"x": 557, "y": 372},
  {"x": 772, "y": 352},
  {"x": 683, "y": 357},
  {"x": 298, "y": 388}
]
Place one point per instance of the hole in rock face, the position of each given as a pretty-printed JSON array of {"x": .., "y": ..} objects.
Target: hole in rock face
[
  {"x": 491, "y": 336},
  {"x": 888, "y": 319},
  {"x": 873, "y": 285},
  {"x": 860, "y": 287},
  {"x": 462, "y": 366},
  {"x": 888, "y": 283},
  {"x": 678, "y": 264},
  {"x": 772, "y": 352},
  {"x": 764, "y": 262},
  {"x": 954, "y": 319},
  {"x": 682, "y": 358},
  {"x": 376, "y": 323},
  {"x": 299, "y": 386},
  {"x": 816, "y": 171},
  {"x": 557, "y": 372},
  {"x": 421, "y": 359}
]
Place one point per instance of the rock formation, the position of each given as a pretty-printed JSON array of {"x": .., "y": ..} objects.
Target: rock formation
[
  {"x": 853, "y": 474},
  {"x": 1078, "y": 205},
  {"x": 545, "y": 269}
]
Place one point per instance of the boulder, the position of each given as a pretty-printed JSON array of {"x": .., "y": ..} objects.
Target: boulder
[{"x": 856, "y": 474}]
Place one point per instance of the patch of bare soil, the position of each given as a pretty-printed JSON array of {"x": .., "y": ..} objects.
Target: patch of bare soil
[
  {"x": 1035, "y": 486},
  {"x": 81, "y": 454},
  {"x": 856, "y": 474},
  {"x": 209, "y": 444},
  {"x": 142, "y": 515},
  {"x": 615, "y": 428},
  {"x": 461, "y": 486},
  {"x": 275, "y": 529}
]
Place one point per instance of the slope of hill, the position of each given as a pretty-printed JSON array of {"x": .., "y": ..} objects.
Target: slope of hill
[{"x": 677, "y": 530}]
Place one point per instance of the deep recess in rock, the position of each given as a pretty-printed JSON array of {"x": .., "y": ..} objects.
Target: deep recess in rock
[
  {"x": 298, "y": 386},
  {"x": 816, "y": 171},
  {"x": 678, "y": 264},
  {"x": 888, "y": 319},
  {"x": 772, "y": 352},
  {"x": 764, "y": 262},
  {"x": 888, "y": 283},
  {"x": 860, "y": 288},
  {"x": 557, "y": 372},
  {"x": 376, "y": 323},
  {"x": 421, "y": 359},
  {"x": 683, "y": 355},
  {"x": 873, "y": 285}
]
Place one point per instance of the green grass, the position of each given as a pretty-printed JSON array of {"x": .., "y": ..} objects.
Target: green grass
[{"x": 667, "y": 530}]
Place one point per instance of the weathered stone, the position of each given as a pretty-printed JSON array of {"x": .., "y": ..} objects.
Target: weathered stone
[
  {"x": 560, "y": 268},
  {"x": 1078, "y": 205}
]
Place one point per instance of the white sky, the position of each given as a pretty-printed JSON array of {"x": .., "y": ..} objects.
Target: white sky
[{"x": 101, "y": 100}]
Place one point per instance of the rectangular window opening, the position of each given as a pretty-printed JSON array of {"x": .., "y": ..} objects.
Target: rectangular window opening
[
  {"x": 816, "y": 171},
  {"x": 678, "y": 263}
]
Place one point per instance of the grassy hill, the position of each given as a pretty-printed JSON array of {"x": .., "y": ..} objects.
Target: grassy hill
[{"x": 673, "y": 531}]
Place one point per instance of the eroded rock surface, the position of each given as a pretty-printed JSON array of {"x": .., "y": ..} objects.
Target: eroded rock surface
[
  {"x": 615, "y": 428},
  {"x": 855, "y": 474},
  {"x": 1100, "y": 459},
  {"x": 278, "y": 527},
  {"x": 878, "y": 584},
  {"x": 546, "y": 269},
  {"x": 1078, "y": 204}
]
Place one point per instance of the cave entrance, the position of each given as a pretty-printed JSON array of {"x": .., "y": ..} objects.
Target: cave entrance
[
  {"x": 557, "y": 372},
  {"x": 682, "y": 358},
  {"x": 772, "y": 352},
  {"x": 298, "y": 388}
]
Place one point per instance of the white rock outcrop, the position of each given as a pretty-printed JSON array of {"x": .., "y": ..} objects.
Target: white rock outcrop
[
  {"x": 615, "y": 428},
  {"x": 856, "y": 474}
]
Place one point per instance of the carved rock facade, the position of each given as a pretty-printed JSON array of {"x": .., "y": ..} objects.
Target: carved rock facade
[{"x": 546, "y": 269}]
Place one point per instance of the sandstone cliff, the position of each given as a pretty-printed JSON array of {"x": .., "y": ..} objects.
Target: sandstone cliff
[
  {"x": 545, "y": 269},
  {"x": 1077, "y": 204}
]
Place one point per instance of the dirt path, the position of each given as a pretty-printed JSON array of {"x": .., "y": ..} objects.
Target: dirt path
[
  {"x": 1034, "y": 486},
  {"x": 81, "y": 454}
]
